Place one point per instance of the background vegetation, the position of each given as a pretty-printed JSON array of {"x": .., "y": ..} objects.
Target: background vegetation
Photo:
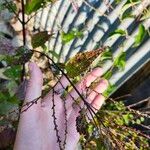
[{"x": 113, "y": 126}]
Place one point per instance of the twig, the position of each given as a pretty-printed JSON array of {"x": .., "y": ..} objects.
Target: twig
[
  {"x": 135, "y": 104},
  {"x": 23, "y": 23}
]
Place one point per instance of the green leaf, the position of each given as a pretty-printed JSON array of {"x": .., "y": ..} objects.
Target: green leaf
[
  {"x": 13, "y": 72},
  {"x": 126, "y": 119},
  {"x": 12, "y": 86},
  {"x": 5, "y": 107},
  {"x": 39, "y": 39},
  {"x": 106, "y": 55},
  {"x": 118, "y": 31},
  {"x": 110, "y": 89},
  {"x": 3, "y": 97},
  {"x": 78, "y": 64},
  {"x": 67, "y": 37},
  {"x": 127, "y": 14},
  {"x": 138, "y": 121},
  {"x": 142, "y": 119},
  {"x": 54, "y": 54},
  {"x": 140, "y": 36},
  {"x": 108, "y": 74},
  {"x": 120, "y": 61},
  {"x": 33, "y": 5},
  {"x": 128, "y": 5},
  {"x": 13, "y": 7}
]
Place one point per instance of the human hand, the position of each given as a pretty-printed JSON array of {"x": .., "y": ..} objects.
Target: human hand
[{"x": 36, "y": 124}]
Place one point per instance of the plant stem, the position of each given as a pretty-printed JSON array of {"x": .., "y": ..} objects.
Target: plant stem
[{"x": 23, "y": 23}]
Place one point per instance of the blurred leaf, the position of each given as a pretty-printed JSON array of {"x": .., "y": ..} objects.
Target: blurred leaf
[
  {"x": 54, "y": 54},
  {"x": 13, "y": 72},
  {"x": 109, "y": 90},
  {"x": 81, "y": 62},
  {"x": 138, "y": 121},
  {"x": 128, "y": 5},
  {"x": 39, "y": 39},
  {"x": 120, "y": 61},
  {"x": 12, "y": 87},
  {"x": 3, "y": 97},
  {"x": 6, "y": 5},
  {"x": 142, "y": 119},
  {"x": 140, "y": 36},
  {"x": 127, "y": 14},
  {"x": 106, "y": 55},
  {"x": 67, "y": 37},
  {"x": 34, "y": 5},
  {"x": 108, "y": 74},
  {"x": 13, "y": 7},
  {"x": 2, "y": 57},
  {"x": 126, "y": 119},
  {"x": 146, "y": 14},
  {"x": 5, "y": 107},
  {"x": 118, "y": 31}
]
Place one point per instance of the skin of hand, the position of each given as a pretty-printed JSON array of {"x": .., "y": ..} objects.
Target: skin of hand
[{"x": 36, "y": 125}]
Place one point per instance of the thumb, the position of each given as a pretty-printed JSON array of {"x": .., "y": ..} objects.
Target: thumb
[{"x": 34, "y": 87}]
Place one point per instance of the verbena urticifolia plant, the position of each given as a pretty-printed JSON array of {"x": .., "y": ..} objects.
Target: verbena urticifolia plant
[{"x": 109, "y": 128}]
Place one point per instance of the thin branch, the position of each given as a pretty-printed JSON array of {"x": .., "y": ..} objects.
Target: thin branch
[
  {"x": 140, "y": 102},
  {"x": 23, "y": 22}
]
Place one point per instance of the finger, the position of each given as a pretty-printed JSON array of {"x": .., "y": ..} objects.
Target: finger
[
  {"x": 100, "y": 88},
  {"x": 98, "y": 102},
  {"x": 95, "y": 99},
  {"x": 95, "y": 106},
  {"x": 81, "y": 86},
  {"x": 61, "y": 85},
  {"x": 34, "y": 87}
]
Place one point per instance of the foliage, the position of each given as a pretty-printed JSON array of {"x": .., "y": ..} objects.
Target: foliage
[
  {"x": 140, "y": 36},
  {"x": 39, "y": 39},
  {"x": 34, "y": 5},
  {"x": 80, "y": 62},
  {"x": 112, "y": 127},
  {"x": 74, "y": 33}
]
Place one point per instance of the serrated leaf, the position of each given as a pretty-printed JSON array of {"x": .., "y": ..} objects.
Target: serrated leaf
[
  {"x": 140, "y": 36},
  {"x": 81, "y": 62},
  {"x": 118, "y": 32},
  {"x": 120, "y": 61},
  {"x": 67, "y": 37},
  {"x": 39, "y": 39}
]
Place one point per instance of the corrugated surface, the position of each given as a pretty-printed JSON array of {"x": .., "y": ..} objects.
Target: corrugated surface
[{"x": 97, "y": 22}]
